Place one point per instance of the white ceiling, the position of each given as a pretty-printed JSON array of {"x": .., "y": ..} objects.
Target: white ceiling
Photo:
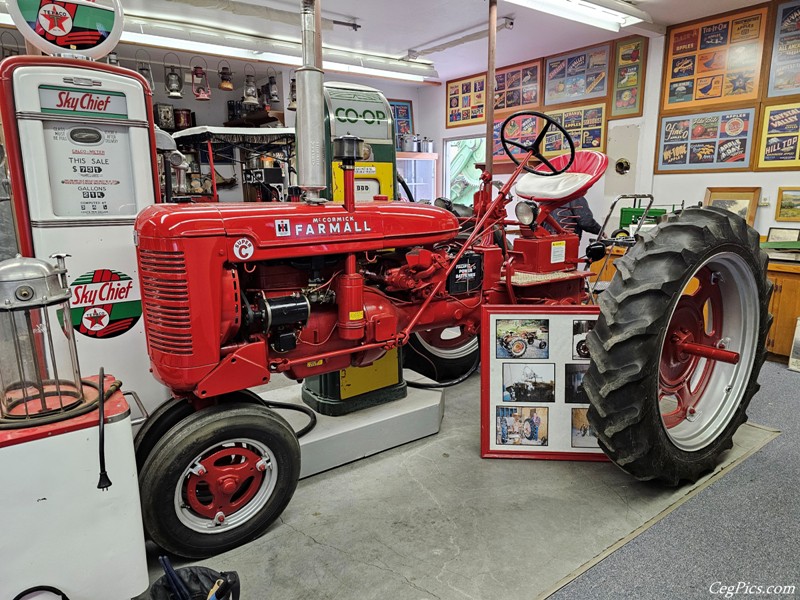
[{"x": 392, "y": 27}]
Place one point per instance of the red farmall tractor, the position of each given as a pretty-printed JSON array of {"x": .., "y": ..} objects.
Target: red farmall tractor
[{"x": 235, "y": 294}]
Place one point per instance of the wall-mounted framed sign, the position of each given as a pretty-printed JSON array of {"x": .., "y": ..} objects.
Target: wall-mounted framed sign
[
  {"x": 784, "y": 74},
  {"x": 519, "y": 129},
  {"x": 577, "y": 76},
  {"x": 403, "y": 113},
  {"x": 466, "y": 101},
  {"x": 518, "y": 87},
  {"x": 779, "y": 138},
  {"x": 587, "y": 125},
  {"x": 532, "y": 367},
  {"x": 715, "y": 141},
  {"x": 714, "y": 61},
  {"x": 630, "y": 58}
]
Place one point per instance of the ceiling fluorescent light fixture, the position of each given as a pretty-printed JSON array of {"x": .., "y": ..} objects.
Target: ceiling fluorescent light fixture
[
  {"x": 358, "y": 70},
  {"x": 214, "y": 49},
  {"x": 588, "y": 13}
]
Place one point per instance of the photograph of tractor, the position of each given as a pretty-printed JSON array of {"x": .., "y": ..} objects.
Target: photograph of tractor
[{"x": 236, "y": 294}]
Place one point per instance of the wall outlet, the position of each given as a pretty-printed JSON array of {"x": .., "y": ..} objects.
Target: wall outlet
[{"x": 764, "y": 201}]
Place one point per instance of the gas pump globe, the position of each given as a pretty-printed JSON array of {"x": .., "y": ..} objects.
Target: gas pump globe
[{"x": 39, "y": 372}]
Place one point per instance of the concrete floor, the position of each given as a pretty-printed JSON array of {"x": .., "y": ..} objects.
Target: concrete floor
[{"x": 431, "y": 519}]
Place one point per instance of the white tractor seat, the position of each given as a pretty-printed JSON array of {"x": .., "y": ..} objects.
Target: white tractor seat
[{"x": 536, "y": 187}]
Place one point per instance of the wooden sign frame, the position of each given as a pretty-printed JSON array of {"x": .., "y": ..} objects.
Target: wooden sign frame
[{"x": 466, "y": 97}]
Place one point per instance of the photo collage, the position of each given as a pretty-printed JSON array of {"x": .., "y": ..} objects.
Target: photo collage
[
  {"x": 719, "y": 140},
  {"x": 536, "y": 398},
  {"x": 579, "y": 76},
  {"x": 466, "y": 101},
  {"x": 716, "y": 61}
]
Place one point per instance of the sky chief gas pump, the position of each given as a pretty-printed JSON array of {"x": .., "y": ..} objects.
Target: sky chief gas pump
[{"x": 79, "y": 140}]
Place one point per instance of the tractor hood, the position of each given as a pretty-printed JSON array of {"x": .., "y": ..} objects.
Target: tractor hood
[{"x": 282, "y": 230}]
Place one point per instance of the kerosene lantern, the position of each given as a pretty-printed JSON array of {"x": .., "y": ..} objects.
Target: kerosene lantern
[
  {"x": 250, "y": 89},
  {"x": 292, "y": 95},
  {"x": 173, "y": 77},
  {"x": 144, "y": 66},
  {"x": 272, "y": 87},
  {"x": 200, "y": 87},
  {"x": 39, "y": 371},
  {"x": 225, "y": 76}
]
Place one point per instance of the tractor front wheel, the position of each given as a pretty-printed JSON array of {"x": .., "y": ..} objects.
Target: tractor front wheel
[
  {"x": 218, "y": 479},
  {"x": 679, "y": 344}
]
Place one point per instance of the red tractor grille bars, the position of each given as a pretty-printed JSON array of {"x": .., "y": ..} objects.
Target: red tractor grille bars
[{"x": 165, "y": 297}]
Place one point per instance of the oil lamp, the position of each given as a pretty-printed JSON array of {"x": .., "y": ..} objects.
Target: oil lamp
[
  {"x": 272, "y": 88},
  {"x": 250, "y": 90},
  {"x": 225, "y": 76},
  {"x": 200, "y": 87},
  {"x": 173, "y": 78},
  {"x": 144, "y": 67},
  {"x": 292, "y": 95}
]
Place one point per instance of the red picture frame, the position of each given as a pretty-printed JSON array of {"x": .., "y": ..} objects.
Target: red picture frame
[{"x": 530, "y": 387}]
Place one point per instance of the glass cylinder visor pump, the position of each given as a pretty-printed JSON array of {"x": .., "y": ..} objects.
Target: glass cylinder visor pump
[{"x": 39, "y": 371}]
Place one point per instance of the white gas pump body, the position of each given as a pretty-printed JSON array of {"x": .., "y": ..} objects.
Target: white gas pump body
[{"x": 85, "y": 145}]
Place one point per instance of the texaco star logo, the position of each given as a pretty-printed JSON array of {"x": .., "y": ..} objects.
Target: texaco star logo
[
  {"x": 95, "y": 319},
  {"x": 55, "y": 19}
]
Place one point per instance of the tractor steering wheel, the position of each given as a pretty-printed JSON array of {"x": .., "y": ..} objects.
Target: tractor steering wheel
[{"x": 535, "y": 146}]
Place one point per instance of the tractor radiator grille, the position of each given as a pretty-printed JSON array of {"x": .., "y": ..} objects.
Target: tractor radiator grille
[{"x": 165, "y": 295}]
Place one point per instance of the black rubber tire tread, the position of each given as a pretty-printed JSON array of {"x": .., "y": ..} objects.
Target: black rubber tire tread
[
  {"x": 625, "y": 345},
  {"x": 191, "y": 436},
  {"x": 157, "y": 425},
  {"x": 420, "y": 359},
  {"x": 581, "y": 349},
  {"x": 167, "y": 415},
  {"x": 619, "y": 233}
]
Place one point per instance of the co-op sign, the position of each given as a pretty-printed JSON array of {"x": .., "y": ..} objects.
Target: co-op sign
[{"x": 361, "y": 113}]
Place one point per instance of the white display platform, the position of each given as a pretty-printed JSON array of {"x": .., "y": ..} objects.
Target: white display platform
[{"x": 336, "y": 441}]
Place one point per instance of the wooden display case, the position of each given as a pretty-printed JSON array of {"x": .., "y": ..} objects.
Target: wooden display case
[{"x": 784, "y": 306}]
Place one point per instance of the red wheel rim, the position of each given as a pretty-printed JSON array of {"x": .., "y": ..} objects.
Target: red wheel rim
[
  {"x": 684, "y": 377},
  {"x": 224, "y": 482}
]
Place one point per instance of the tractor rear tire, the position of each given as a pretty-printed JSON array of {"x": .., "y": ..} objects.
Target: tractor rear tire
[
  {"x": 662, "y": 412},
  {"x": 218, "y": 479}
]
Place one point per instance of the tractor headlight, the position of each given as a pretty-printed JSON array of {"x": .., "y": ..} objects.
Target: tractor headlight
[{"x": 526, "y": 212}]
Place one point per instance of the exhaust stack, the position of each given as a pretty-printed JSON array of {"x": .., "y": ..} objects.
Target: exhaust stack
[{"x": 310, "y": 123}]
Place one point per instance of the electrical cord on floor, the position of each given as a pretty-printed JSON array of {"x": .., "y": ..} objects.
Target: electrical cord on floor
[
  {"x": 312, "y": 416},
  {"x": 445, "y": 384}
]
